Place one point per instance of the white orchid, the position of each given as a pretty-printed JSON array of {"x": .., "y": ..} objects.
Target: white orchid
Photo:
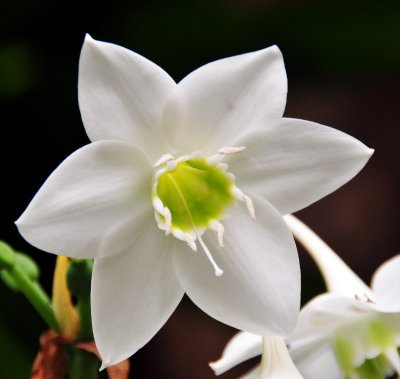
[
  {"x": 352, "y": 332},
  {"x": 161, "y": 150}
]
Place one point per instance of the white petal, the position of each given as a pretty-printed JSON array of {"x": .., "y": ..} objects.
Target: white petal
[
  {"x": 224, "y": 99},
  {"x": 339, "y": 278},
  {"x": 133, "y": 295},
  {"x": 92, "y": 204},
  {"x": 297, "y": 163},
  {"x": 260, "y": 287},
  {"x": 321, "y": 360},
  {"x": 122, "y": 96},
  {"x": 240, "y": 348},
  {"x": 386, "y": 283}
]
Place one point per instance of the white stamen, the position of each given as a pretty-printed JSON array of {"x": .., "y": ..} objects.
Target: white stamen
[
  {"x": 190, "y": 241},
  {"x": 364, "y": 298},
  {"x": 231, "y": 150},
  {"x": 183, "y": 158},
  {"x": 159, "y": 173},
  {"x": 171, "y": 165},
  {"x": 222, "y": 166},
  {"x": 231, "y": 177},
  {"x": 159, "y": 220},
  {"x": 215, "y": 159},
  {"x": 168, "y": 220},
  {"x": 217, "y": 270},
  {"x": 237, "y": 193},
  {"x": 158, "y": 205},
  {"x": 197, "y": 155},
  {"x": 164, "y": 158},
  {"x": 177, "y": 233},
  {"x": 188, "y": 238},
  {"x": 219, "y": 228},
  {"x": 250, "y": 206}
]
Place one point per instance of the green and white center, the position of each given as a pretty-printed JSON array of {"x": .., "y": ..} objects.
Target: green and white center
[
  {"x": 191, "y": 194},
  {"x": 369, "y": 348}
]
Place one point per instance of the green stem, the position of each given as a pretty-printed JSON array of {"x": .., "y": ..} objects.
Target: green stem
[
  {"x": 85, "y": 327},
  {"x": 82, "y": 364},
  {"x": 35, "y": 294}
]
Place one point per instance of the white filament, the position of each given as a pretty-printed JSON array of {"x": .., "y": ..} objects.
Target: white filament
[
  {"x": 168, "y": 220},
  {"x": 250, "y": 206},
  {"x": 164, "y": 158},
  {"x": 231, "y": 150},
  {"x": 219, "y": 228}
]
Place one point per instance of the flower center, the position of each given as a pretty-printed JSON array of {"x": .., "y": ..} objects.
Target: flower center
[{"x": 191, "y": 194}]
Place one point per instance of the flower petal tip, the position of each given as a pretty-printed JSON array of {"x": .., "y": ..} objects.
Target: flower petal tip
[
  {"x": 88, "y": 38},
  {"x": 20, "y": 225},
  {"x": 215, "y": 366},
  {"x": 276, "y": 49},
  {"x": 104, "y": 365}
]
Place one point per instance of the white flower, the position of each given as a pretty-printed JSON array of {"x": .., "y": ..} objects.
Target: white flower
[
  {"x": 353, "y": 332},
  {"x": 161, "y": 150}
]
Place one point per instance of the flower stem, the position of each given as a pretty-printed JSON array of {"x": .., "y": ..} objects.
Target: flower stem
[
  {"x": 82, "y": 364},
  {"x": 35, "y": 294},
  {"x": 85, "y": 330},
  {"x": 339, "y": 278}
]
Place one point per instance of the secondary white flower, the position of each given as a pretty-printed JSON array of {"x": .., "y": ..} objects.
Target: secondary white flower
[
  {"x": 161, "y": 150},
  {"x": 354, "y": 331},
  {"x": 343, "y": 334}
]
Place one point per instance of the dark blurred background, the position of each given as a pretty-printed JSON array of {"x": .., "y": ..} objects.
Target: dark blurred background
[{"x": 343, "y": 65}]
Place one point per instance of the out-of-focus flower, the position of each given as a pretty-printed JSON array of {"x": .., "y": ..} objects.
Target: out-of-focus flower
[
  {"x": 352, "y": 332},
  {"x": 161, "y": 150}
]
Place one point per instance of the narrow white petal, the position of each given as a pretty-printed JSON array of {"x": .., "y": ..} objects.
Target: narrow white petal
[
  {"x": 133, "y": 295},
  {"x": 296, "y": 163},
  {"x": 259, "y": 290},
  {"x": 240, "y": 348},
  {"x": 386, "y": 283},
  {"x": 339, "y": 278},
  {"x": 122, "y": 96},
  {"x": 226, "y": 98},
  {"x": 276, "y": 362},
  {"x": 92, "y": 204}
]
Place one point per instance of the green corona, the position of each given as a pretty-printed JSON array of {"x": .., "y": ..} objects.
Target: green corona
[
  {"x": 196, "y": 193},
  {"x": 191, "y": 194}
]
